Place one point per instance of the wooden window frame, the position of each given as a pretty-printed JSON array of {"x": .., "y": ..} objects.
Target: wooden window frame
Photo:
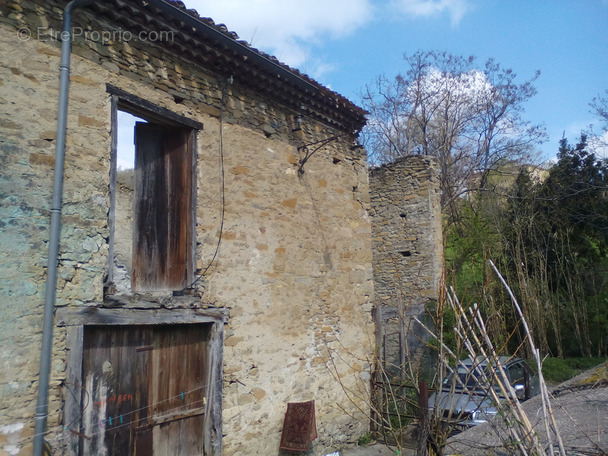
[
  {"x": 124, "y": 101},
  {"x": 76, "y": 320}
]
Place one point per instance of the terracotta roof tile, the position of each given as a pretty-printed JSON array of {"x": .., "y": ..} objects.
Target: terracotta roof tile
[
  {"x": 217, "y": 48},
  {"x": 339, "y": 99}
]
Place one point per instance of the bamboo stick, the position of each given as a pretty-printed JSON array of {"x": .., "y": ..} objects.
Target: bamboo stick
[
  {"x": 518, "y": 412},
  {"x": 547, "y": 410}
]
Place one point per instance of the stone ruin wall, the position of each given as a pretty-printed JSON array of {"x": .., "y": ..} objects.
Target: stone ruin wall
[{"x": 407, "y": 249}]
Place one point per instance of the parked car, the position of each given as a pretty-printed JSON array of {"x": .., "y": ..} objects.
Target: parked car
[{"x": 464, "y": 399}]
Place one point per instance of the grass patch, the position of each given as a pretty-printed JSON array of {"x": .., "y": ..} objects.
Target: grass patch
[
  {"x": 366, "y": 439},
  {"x": 558, "y": 370}
]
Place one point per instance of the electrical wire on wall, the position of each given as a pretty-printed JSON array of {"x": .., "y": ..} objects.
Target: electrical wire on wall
[
  {"x": 131, "y": 418},
  {"x": 222, "y": 186}
]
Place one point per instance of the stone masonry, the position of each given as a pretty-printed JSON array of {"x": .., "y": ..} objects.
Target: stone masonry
[
  {"x": 408, "y": 250},
  {"x": 294, "y": 267}
]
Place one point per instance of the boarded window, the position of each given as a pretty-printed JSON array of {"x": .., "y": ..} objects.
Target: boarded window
[
  {"x": 152, "y": 197},
  {"x": 163, "y": 207},
  {"x": 145, "y": 390}
]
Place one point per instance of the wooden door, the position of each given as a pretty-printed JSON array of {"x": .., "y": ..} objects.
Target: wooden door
[
  {"x": 163, "y": 207},
  {"x": 145, "y": 390}
]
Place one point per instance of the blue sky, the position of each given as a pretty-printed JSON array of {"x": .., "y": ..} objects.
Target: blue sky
[{"x": 344, "y": 44}]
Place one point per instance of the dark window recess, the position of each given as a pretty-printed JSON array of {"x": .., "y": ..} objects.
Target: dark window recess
[
  {"x": 163, "y": 201},
  {"x": 405, "y": 253}
]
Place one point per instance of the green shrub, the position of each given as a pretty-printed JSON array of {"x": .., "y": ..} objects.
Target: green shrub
[
  {"x": 558, "y": 370},
  {"x": 365, "y": 439}
]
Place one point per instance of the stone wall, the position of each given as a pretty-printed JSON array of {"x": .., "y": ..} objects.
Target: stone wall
[
  {"x": 294, "y": 268},
  {"x": 408, "y": 248}
]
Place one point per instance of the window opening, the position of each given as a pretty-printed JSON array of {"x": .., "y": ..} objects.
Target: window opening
[
  {"x": 126, "y": 141},
  {"x": 124, "y": 205},
  {"x": 153, "y": 205}
]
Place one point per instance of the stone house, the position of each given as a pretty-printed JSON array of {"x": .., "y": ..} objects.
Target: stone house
[{"x": 230, "y": 274}]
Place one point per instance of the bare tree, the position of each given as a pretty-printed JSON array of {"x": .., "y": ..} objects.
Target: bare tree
[
  {"x": 599, "y": 140},
  {"x": 469, "y": 118},
  {"x": 599, "y": 107}
]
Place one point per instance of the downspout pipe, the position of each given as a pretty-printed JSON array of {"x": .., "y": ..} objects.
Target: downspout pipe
[{"x": 55, "y": 229}]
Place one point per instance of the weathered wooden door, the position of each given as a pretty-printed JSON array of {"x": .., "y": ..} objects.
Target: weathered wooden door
[
  {"x": 163, "y": 207},
  {"x": 144, "y": 390}
]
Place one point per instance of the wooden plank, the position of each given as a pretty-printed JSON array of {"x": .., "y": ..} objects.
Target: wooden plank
[
  {"x": 191, "y": 261},
  {"x": 113, "y": 171},
  {"x": 178, "y": 392},
  {"x": 147, "y": 110},
  {"x": 175, "y": 416},
  {"x": 107, "y": 368},
  {"x": 117, "y": 317},
  {"x": 142, "y": 438},
  {"x": 178, "y": 147},
  {"x": 120, "y": 388},
  {"x": 197, "y": 349},
  {"x": 94, "y": 399},
  {"x": 213, "y": 426},
  {"x": 72, "y": 421},
  {"x": 150, "y": 235},
  {"x": 163, "y": 198},
  {"x": 150, "y": 302}
]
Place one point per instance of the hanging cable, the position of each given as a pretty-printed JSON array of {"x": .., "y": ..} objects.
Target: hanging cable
[
  {"x": 124, "y": 419},
  {"x": 222, "y": 186}
]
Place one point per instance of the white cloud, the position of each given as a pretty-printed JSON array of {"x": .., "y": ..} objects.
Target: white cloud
[
  {"x": 289, "y": 29},
  {"x": 428, "y": 8}
]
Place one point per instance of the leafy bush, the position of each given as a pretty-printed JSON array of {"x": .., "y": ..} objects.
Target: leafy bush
[
  {"x": 365, "y": 439},
  {"x": 557, "y": 370}
]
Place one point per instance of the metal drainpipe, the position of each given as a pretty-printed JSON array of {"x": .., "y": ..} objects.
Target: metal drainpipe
[{"x": 55, "y": 230}]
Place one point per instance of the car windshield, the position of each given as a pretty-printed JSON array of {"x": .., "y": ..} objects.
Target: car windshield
[{"x": 471, "y": 378}]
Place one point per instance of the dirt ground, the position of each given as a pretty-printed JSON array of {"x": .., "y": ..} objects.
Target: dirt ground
[
  {"x": 580, "y": 407},
  {"x": 376, "y": 449}
]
